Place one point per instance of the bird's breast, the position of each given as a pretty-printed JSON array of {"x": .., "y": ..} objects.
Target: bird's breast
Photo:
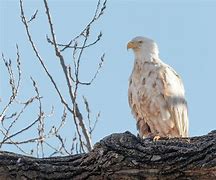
[{"x": 143, "y": 81}]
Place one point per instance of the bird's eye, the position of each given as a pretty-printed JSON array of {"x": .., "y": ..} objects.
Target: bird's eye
[{"x": 140, "y": 42}]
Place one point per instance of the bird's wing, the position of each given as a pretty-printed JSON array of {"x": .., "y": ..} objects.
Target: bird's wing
[
  {"x": 173, "y": 94},
  {"x": 156, "y": 97}
]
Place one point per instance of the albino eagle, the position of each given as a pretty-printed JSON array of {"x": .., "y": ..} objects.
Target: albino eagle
[{"x": 156, "y": 93}]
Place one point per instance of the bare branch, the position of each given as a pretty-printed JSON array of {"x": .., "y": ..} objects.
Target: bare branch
[
  {"x": 78, "y": 63},
  {"x": 99, "y": 67},
  {"x": 17, "y": 117},
  {"x": 39, "y": 57},
  {"x": 95, "y": 123},
  {"x": 41, "y": 120},
  {"x": 54, "y": 130},
  {"x": 19, "y": 132},
  {"x": 88, "y": 112},
  {"x": 11, "y": 116},
  {"x": 74, "y": 144},
  {"x": 76, "y": 111},
  {"x": 33, "y": 17},
  {"x": 14, "y": 89},
  {"x": 55, "y": 150},
  {"x": 18, "y": 68},
  {"x": 75, "y": 45},
  {"x": 98, "y": 12},
  {"x": 62, "y": 143},
  {"x": 32, "y": 140}
]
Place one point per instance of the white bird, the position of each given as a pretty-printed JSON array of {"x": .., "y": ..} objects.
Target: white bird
[{"x": 156, "y": 93}]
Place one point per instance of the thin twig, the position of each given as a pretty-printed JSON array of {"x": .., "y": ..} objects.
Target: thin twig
[
  {"x": 32, "y": 140},
  {"x": 75, "y": 45},
  {"x": 41, "y": 119},
  {"x": 88, "y": 112},
  {"x": 17, "y": 117},
  {"x": 95, "y": 123},
  {"x": 78, "y": 63},
  {"x": 33, "y": 17},
  {"x": 14, "y": 89},
  {"x": 96, "y": 16},
  {"x": 20, "y": 131},
  {"x": 62, "y": 143}
]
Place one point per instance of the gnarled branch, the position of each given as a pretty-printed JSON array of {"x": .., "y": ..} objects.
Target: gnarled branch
[{"x": 122, "y": 156}]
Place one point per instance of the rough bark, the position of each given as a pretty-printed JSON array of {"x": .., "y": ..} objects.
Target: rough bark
[{"x": 122, "y": 156}]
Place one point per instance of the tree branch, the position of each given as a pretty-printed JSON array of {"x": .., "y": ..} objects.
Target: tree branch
[{"x": 122, "y": 156}]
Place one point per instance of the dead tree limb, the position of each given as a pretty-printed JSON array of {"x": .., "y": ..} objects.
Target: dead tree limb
[{"x": 122, "y": 156}]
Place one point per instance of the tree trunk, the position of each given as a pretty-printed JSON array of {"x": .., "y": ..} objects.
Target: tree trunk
[{"x": 122, "y": 156}]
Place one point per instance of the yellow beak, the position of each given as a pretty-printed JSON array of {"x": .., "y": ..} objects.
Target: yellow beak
[{"x": 131, "y": 45}]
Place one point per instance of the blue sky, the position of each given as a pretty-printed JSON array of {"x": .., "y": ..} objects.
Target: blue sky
[{"x": 184, "y": 31}]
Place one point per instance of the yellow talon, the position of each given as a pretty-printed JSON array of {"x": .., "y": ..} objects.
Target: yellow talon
[{"x": 156, "y": 138}]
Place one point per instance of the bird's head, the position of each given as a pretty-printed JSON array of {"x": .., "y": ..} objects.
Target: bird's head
[{"x": 143, "y": 47}]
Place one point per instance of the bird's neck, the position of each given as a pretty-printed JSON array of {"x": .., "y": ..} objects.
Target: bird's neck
[{"x": 147, "y": 54}]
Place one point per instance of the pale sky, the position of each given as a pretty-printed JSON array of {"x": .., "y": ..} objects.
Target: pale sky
[{"x": 184, "y": 31}]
